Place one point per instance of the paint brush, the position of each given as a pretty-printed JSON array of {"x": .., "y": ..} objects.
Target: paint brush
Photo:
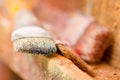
[
  {"x": 41, "y": 43},
  {"x": 31, "y": 38}
]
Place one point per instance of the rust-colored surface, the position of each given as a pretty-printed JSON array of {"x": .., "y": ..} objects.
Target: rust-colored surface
[
  {"x": 36, "y": 67},
  {"x": 106, "y": 72}
]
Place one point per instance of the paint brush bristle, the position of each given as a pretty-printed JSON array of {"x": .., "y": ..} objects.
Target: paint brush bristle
[
  {"x": 35, "y": 45},
  {"x": 35, "y": 40}
]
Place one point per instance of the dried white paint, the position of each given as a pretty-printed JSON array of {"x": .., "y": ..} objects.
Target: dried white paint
[{"x": 30, "y": 31}]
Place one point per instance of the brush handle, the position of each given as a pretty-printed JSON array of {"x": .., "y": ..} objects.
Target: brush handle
[{"x": 68, "y": 53}]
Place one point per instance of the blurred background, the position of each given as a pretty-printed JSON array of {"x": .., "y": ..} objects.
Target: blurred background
[{"x": 55, "y": 13}]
